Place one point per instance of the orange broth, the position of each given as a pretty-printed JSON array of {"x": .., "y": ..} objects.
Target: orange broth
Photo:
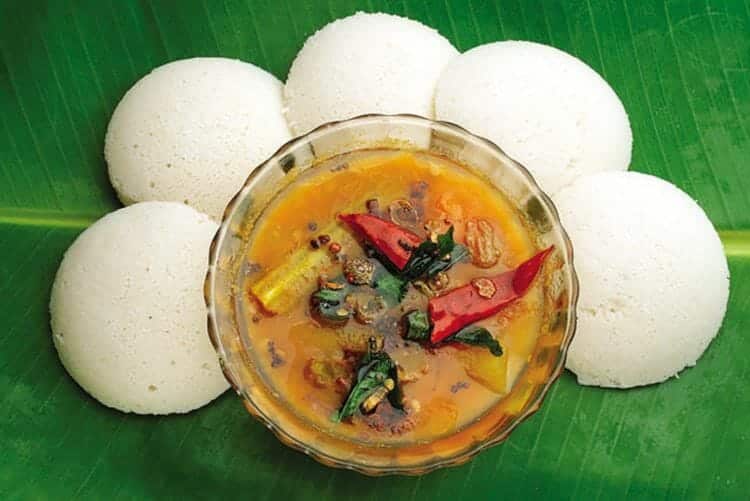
[{"x": 447, "y": 387}]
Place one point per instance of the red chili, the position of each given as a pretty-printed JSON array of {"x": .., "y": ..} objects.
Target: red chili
[
  {"x": 462, "y": 306},
  {"x": 391, "y": 240}
]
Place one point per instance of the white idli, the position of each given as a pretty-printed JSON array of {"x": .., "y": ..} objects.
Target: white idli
[
  {"x": 191, "y": 131},
  {"x": 365, "y": 63},
  {"x": 543, "y": 107},
  {"x": 653, "y": 278},
  {"x": 127, "y": 310}
]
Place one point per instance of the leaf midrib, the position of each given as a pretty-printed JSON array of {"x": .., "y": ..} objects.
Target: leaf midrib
[
  {"x": 736, "y": 242},
  {"x": 13, "y": 216}
]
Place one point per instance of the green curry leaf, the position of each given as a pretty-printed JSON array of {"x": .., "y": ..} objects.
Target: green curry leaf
[
  {"x": 478, "y": 336},
  {"x": 391, "y": 287},
  {"x": 374, "y": 369},
  {"x": 417, "y": 326},
  {"x": 430, "y": 258},
  {"x": 328, "y": 304}
]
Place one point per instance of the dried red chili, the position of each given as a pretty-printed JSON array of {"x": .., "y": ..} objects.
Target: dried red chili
[
  {"x": 465, "y": 305},
  {"x": 391, "y": 240}
]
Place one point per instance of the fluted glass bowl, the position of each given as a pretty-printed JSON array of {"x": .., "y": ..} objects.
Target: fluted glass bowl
[{"x": 230, "y": 336}]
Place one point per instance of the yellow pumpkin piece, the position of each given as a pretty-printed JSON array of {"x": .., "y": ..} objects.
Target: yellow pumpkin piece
[
  {"x": 438, "y": 416},
  {"x": 485, "y": 368}
]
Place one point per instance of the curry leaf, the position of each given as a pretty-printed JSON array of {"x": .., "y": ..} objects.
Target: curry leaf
[
  {"x": 373, "y": 371},
  {"x": 391, "y": 287},
  {"x": 430, "y": 257},
  {"x": 417, "y": 326},
  {"x": 328, "y": 304},
  {"x": 458, "y": 254},
  {"x": 478, "y": 336}
]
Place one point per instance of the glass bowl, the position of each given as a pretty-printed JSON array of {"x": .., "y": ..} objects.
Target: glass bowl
[{"x": 230, "y": 337}]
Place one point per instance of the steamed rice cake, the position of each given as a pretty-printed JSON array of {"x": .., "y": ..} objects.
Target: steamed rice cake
[
  {"x": 365, "y": 63},
  {"x": 543, "y": 107},
  {"x": 191, "y": 131},
  {"x": 127, "y": 310},
  {"x": 653, "y": 278}
]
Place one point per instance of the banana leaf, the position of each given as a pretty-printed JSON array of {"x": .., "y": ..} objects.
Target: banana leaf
[{"x": 682, "y": 69}]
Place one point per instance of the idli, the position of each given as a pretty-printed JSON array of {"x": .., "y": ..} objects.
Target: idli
[
  {"x": 543, "y": 107},
  {"x": 653, "y": 278},
  {"x": 365, "y": 63},
  {"x": 127, "y": 310},
  {"x": 191, "y": 131}
]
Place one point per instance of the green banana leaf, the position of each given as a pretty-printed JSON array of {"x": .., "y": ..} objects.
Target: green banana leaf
[{"x": 682, "y": 69}]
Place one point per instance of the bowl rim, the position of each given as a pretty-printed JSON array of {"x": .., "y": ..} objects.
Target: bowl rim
[{"x": 320, "y": 456}]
